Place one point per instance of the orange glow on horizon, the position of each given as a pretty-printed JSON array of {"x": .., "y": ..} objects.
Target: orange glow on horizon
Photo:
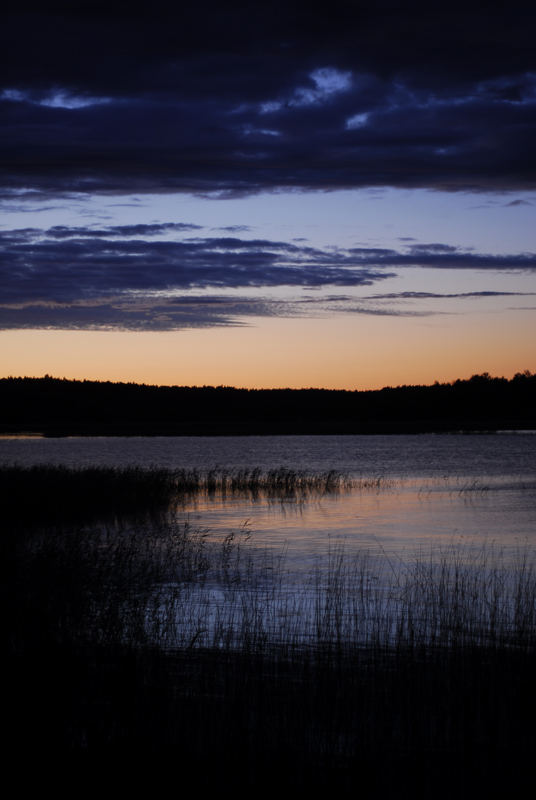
[{"x": 343, "y": 352}]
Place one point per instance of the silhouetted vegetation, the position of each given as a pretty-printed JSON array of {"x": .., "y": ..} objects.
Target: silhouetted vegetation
[
  {"x": 47, "y": 493},
  {"x": 58, "y": 407},
  {"x": 143, "y": 643}
]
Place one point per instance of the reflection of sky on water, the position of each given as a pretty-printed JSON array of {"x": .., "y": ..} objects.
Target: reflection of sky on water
[
  {"x": 434, "y": 489},
  {"x": 413, "y": 551},
  {"x": 475, "y": 494},
  {"x": 407, "y": 519}
]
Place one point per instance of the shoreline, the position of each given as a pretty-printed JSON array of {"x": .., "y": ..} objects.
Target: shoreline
[{"x": 54, "y": 432}]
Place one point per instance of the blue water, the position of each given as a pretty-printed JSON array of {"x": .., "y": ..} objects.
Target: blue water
[
  {"x": 400, "y": 456},
  {"x": 434, "y": 489},
  {"x": 466, "y": 494}
]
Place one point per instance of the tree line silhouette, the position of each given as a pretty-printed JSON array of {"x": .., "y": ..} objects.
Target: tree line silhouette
[{"x": 59, "y": 406}]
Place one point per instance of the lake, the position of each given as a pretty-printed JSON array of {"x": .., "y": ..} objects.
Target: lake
[
  {"x": 431, "y": 490},
  {"x": 420, "y": 506}
]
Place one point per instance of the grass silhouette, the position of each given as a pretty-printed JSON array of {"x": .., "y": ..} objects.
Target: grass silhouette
[{"x": 132, "y": 635}]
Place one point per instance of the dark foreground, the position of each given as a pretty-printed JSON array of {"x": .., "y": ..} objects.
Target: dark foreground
[
  {"x": 87, "y": 693},
  {"x": 401, "y": 723}
]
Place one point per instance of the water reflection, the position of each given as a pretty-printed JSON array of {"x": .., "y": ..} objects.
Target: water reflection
[{"x": 404, "y": 518}]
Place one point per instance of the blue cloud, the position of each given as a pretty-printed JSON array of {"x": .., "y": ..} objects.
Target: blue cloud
[
  {"x": 127, "y": 276},
  {"x": 216, "y": 101}
]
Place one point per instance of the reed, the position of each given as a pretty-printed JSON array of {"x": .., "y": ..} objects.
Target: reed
[
  {"x": 53, "y": 493},
  {"x": 139, "y": 635},
  {"x": 47, "y": 493},
  {"x": 281, "y": 482}
]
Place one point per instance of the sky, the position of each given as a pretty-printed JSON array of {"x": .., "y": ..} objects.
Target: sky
[{"x": 267, "y": 195}]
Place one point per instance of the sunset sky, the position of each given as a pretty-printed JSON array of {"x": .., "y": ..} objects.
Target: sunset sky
[{"x": 212, "y": 194}]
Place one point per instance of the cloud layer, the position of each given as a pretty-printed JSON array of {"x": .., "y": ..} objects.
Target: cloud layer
[
  {"x": 224, "y": 98},
  {"x": 132, "y": 277}
]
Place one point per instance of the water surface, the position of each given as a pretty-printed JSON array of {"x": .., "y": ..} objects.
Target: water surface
[
  {"x": 391, "y": 456},
  {"x": 433, "y": 490}
]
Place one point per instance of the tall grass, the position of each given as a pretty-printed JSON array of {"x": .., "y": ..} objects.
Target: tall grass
[
  {"x": 143, "y": 635},
  {"x": 163, "y": 583},
  {"x": 352, "y": 603},
  {"x": 45, "y": 493},
  {"x": 143, "y": 579}
]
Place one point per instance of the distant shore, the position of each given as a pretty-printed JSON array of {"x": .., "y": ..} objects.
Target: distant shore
[
  {"x": 381, "y": 430},
  {"x": 60, "y": 407}
]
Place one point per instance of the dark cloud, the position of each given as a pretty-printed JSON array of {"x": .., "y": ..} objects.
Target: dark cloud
[
  {"x": 234, "y": 228},
  {"x": 433, "y": 247},
  {"x": 125, "y": 276},
  {"x": 160, "y": 314},
  {"x": 68, "y": 264},
  {"x": 23, "y": 208},
  {"x": 349, "y": 305},
  {"x": 386, "y": 312},
  {"x": 443, "y": 296},
  {"x": 235, "y": 98},
  {"x": 141, "y": 315},
  {"x": 119, "y": 231}
]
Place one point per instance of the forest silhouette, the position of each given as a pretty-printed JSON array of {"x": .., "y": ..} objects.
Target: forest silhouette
[{"x": 59, "y": 406}]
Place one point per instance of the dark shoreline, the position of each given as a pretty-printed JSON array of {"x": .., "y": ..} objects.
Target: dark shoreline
[
  {"x": 88, "y": 433},
  {"x": 470, "y": 428},
  {"x": 60, "y": 407}
]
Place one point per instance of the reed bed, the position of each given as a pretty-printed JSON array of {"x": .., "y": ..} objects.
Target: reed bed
[
  {"x": 139, "y": 636},
  {"x": 158, "y": 581},
  {"x": 248, "y": 601},
  {"x": 48, "y": 492},
  {"x": 280, "y": 482}
]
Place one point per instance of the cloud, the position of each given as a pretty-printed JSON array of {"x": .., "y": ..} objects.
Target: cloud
[
  {"x": 223, "y": 101},
  {"x": 518, "y": 202},
  {"x": 234, "y": 228},
  {"x": 348, "y": 305},
  {"x": 443, "y": 296},
  {"x": 143, "y": 314},
  {"x": 69, "y": 265},
  {"x": 150, "y": 313},
  {"x": 119, "y": 231},
  {"x": 149, "y": 277}
]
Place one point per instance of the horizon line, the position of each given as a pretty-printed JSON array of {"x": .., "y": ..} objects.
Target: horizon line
[{"x": 485, "y": 375}]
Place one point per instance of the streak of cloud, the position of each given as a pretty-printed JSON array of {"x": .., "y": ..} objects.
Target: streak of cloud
[{"x": 128, "y": 276}]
